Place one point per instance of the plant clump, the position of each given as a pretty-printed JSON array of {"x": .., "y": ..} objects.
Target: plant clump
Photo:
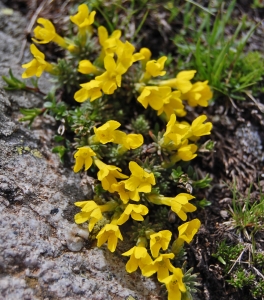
[{"x": 131, "y": 136}]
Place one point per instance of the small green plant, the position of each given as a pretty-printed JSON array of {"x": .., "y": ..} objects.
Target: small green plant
[
  {"x": 243, "y": 265},
  {"x": 227, "y": 254},
  {"x": 240, "y": 270},
  {"x": 247, "y": 214},
  {"x": 241, "y": 278}
]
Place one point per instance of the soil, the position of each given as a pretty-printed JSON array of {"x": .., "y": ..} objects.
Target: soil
[{"x": 237, "y": 158}]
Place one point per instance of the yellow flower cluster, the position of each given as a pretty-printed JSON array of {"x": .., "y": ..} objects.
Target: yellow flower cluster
[
  {"x": 177, "y": 136},
  {"x": 133, "y": 194}
]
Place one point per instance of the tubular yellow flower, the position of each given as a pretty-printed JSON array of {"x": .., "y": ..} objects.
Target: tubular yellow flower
[
  {"x": 90, "y": 212},
  {"x": 159, "y": 240},
  {"x": 175, "y": 285},
  {"x": 90, "y": 90},
  {"x": 180, "y": 204},
  {"x": 186, "y": 233},
  {"x": 161, "y": 266},
  {"x": 108, "y": 43},
  {"x": 119, "y": 187},
  {"x": 181, "y": 82},
  {"x": 125, "y": 54},
  {"x": 155, "y": 67},
  {"x": 110, "y": 233},
  {"x": 83, "y": 157},
  {"x": 47, "y": 34},
  {"x": 86, "y": 67},
  {"x": 185, "y": 152},
  {"x": 188, "y": 230},
  {"x": 107, "y": 175},
  {"x": 135, "y": 211},
  {"x": 83, "y": 19},
  {"x": 132, "y": 141},
  {"x": 200, "y": 129},
  {"x": 147, "y": 54},
  {"x": 154, "y": 96},
  {"x": 38, "y": 65},
  {"x": 175, "y": 132},
  {"x": 139, "y": 181},
  {"x": 111, "y": 78},
  {"x": 172, "y": 105},
  {"x": 199, "y": 94},
  {"x": 107, "y": 132},
  {"x": 139, "y": 257}
]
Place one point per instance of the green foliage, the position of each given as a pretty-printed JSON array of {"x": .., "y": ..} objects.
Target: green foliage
[
  {"x": 243, "y": 271},
  {"x": 140, "y": 125},
  {"x": 217, "y": 56},
  {"x": 227, "y": 254},
  {"x": 191, "y": 281},
  {"x": 13, "y": 83},
  {"x": 259, "y": 259},
  {"x": 30, "y": 114},
  {"x": 202, "y": 183},
  {"x": 258, "y": 289},
  {"x": 247, "y": 215},
  {"x": 240, "y": 279}
]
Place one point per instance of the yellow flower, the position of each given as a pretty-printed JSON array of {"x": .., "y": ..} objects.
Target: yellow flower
[
  {"x": 199, "y": 94},
  {"x": 200, "y": 129},
  {"x": 155, "y": 67},
  {"x": 83, "y": 19},
  {"x": 110, "y": 233},
  {"x": 181, "y": 81},
  {"x": 179, "y": 204},
  {"x": 172, "y": 105},
  {"x": 175, "y": 132},
  {"x": 174, "y": 284},
  {"x": 107, "y": 175},
  {"x": 139, "y": 181},
  {"x": 188, "y": 230},
  {"x": 83, "y": 157},
  {"x": 38, "y": 65},
  {"x": 147, "y": 54},
  {"x": 47, "y": 34},
  {"x": 139, "y": 257},
  {"x": 159, "y": 240},
  {"x": 125, "y": 54},
  {"x": 132, "y": 141},
  {"x": 186, "y": 234},
  {"x": 154, "y": 96},
  {"x": 185, "y": 152},
  {"x": 135, "y": 211},
  {"x": 161, "y": 266},
  {"x": 111, "y": 78},
  {"x": 124, "y": 194},
  {"x": 86, "y": 67},
  {"x": 107, "y": 132},
  {"x": 90, "y": 212},
  {"x": 108, "y": 43},
  {"x": 90, "y": 90}
]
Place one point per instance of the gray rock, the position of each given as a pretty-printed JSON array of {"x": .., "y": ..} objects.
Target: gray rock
[{"x": 43, "y": 254}]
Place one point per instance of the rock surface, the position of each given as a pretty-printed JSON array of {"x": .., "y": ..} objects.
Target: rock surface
[{"x": 43, "y": 254}]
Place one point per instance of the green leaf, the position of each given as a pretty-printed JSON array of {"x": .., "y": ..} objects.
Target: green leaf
[{"x": 13, "y": 83}]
